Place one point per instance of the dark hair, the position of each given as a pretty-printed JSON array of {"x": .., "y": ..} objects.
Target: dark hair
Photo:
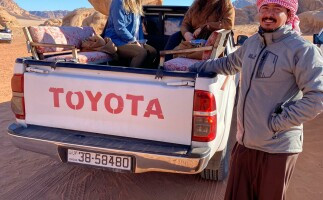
[{"x": 218, "y": 6}]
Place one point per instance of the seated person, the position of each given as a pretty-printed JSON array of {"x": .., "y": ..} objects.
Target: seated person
[
  {"x": 202, "y": 18},
  {"x": 125, "y": 30}
]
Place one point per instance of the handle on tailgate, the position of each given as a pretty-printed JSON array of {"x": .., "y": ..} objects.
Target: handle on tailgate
[{"x": 182, "y": 83}]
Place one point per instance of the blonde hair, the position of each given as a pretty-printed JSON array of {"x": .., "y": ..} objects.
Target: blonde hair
[{"x": 133, "y": 6}]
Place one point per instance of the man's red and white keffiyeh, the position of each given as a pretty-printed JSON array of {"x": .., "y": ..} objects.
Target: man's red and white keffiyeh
[{"x": 291, "y": 5}]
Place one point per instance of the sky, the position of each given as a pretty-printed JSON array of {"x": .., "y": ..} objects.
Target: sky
[{"x": 42, "y": 5}]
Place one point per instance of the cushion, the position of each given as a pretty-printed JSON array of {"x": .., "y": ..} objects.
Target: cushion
[
  {"x": 59, "y": 35},
  {"x": 210, "y": 42},
  {"x": 182, "y": 64},
  {"x": 93, "y": 57},
  {"x": 179, "y": 64}
]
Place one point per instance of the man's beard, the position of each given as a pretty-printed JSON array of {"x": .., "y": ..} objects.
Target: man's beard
[{"x": 269, "y": 30}]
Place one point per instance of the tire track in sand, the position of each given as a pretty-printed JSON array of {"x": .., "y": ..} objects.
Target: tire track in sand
[{"x": 37, "y": 186}]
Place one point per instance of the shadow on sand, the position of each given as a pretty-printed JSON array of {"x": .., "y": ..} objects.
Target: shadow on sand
[{"x": 27, "y": 175}]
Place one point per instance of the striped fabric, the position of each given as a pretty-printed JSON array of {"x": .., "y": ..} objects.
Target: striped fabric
[
  {"x": 93, "y": 57},
  {"x": 59, "y": 35}
]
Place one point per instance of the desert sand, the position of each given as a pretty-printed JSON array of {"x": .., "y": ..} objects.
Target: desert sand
[{"x": 27, "y": 175}]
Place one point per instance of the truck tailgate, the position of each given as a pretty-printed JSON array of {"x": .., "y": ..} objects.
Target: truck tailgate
[{"x": 110, "y": 104}]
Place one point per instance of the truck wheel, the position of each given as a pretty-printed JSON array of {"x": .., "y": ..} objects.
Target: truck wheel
[
  {"x": 221, "y": 173},
  {"x": 218, "y": 167}
]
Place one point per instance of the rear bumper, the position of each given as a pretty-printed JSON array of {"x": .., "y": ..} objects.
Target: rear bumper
[
  {"x": 5, "y": 40},
  {"x": 5, "y": 37},
  {"x": 148, "y": 155}
]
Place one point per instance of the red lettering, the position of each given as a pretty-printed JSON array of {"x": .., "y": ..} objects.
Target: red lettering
[
  {"x": 94, "y": 99},
  {"x": 80, "y": 103},
  {"x": 134, "y": 103},
  {"x": 107, "y": 103},
  {"x": 157, "y": 111},
  {"x": 56, "y": 92},
  {"x": 153, "y": 108}
]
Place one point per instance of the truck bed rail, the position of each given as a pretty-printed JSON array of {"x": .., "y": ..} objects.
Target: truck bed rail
[{"x": 29, "y": 61}]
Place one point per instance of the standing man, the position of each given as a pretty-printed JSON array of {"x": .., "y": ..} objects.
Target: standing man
[{"x": 281, "y": 88}]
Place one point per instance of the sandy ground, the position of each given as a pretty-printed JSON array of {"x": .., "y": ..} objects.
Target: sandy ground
[{"x": 26, "y": 175}]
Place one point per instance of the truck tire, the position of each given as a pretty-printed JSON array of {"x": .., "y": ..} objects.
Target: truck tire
[
  {"x": 218, "y": 174},
  {"x": 218, "y": 167}
]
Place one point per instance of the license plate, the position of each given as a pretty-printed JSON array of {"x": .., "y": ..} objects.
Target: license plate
[{"x": 99, "y": 159}]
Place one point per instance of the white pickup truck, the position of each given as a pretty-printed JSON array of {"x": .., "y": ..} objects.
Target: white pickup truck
[
  {"x": 6, "y": 35},
  {"x": 124, "y": 119}
]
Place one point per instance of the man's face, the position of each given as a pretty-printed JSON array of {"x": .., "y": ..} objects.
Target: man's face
[{"x": 272, "y": 16}]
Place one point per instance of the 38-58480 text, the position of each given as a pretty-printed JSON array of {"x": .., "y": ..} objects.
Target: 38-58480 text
[{"x": 99, "y": 159}]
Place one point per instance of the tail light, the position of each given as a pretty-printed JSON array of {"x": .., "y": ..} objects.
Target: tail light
[
  {"x": 204, "y": 118},
  {"x": 18, "y": 101}
]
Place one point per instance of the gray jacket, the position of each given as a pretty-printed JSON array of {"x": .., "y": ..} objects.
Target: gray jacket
[{"x": 281, "y": 88}]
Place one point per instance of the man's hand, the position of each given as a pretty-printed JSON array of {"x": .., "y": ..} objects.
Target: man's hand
[
  {"x": 197, "y": 32},
  {"x": 188, "y": 36},
  {"x": 137, "y": 43}
]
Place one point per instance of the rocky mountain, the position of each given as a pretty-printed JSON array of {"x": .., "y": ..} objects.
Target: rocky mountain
[
  {"x": 243, "y": 3},
  {"x": 310, "y": 13},
  {"x": 6, "y": 19},
  {"x": 76, "y": 17},
  {"x": 57, "y": 14},
  {"x": 95, "y": 17},
  {"x": 103, "y": 6},
  {"x": 309, "y": 5},
  {"x": 97, "y": 21},
  {"x": 311, "y": 21},
  {"x": 53, "y": 22},
  {"x": 13, "y": 9},
  {"x": 85, "y": 17},
  {"x": 246, "y": 15}
]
